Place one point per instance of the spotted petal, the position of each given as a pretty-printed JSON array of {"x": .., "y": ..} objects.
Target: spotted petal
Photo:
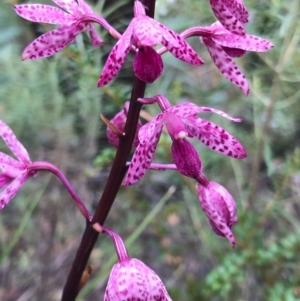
[
  {"x": 238, "y": 9},
  {"x": 219, "y": 112},
  {"x": 52, "y": 41},
  {"x": 179, "y": 47},
  {"x": 226, "y": 65},
  {"x": 149, "y": 136},
  {"x": 116, "y": 57},
  {"x": 217, "y": 211},
  {"x": 132, "y": 280},
  {"x": 184, "y": 109},
  {"x": 228, "y": 16},
  {"x": 13, "y": 143},
  {"x": 247, "y": 42},
  {"x": 216, "y": 138},
  {"x": 43, "y": 13},
  {"x": 85, "y": 7},
  {"x": 95, "y": 38},
  {"x": 12, "y": 189},
  {"x": 11, "y": 166},
  {"x": 70, "y": 6}
]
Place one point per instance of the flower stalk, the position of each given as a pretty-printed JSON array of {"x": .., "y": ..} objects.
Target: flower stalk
[{"x": 111, "y": 189}]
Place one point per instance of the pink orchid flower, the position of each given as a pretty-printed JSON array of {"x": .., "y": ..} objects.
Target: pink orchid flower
[
  {"x": 144, "y": 33},
  {"x": 119, "y": 122},
  {"x": 231, "y": 13},
  {"x": 130, "y": 279},
  {"x": 181, "y": 121},
  {"x": 220, "y": 209},
  {"x": 14, "y": 172},
  {"x": 223, "y": 45},
  {"x": 71, "y": 24}
]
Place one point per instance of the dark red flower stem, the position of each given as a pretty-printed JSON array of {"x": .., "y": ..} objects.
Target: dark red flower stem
[
  {"x": 46, "y": 166},
  {"x": 111, "y": 189}
]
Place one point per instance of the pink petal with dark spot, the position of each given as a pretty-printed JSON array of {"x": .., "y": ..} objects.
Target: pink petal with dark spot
[
  {"x": 11, "y": 166},
  {"x": 119, "y": 122},
  {"x": 116, "y": 57},
  {"x": 179, "y": 47},
  {"x": 238, "y": 9},
  {"x": 5, "y": 179},
  {"x": 226, "y": 65},
  {"x": 226, "y": 17},
  {"x": 184, "y": 109},
  {"x": 52, "y": 42},
  {"x": 85, "y": 7},
  {"x": 149, "y": 136},
  {"x": 132, "y": 280},
  {"x": 147, "y": 31},
  {"x": 151, "y": 129},
  {"x": 95, "y": 38},
  {"x": 219, "y": 112},
  {"x": 216, "y": 138},
  {"x": 13, "y": 143},
  {"x": 12, "y": 189},
  {"x": 247, "y": 42},
  {"x": 147, "y": 65},
  {"x": 43, "y": 13},
  {"x": 216, "y": 209},
  {"x": 70, "y": 6}
]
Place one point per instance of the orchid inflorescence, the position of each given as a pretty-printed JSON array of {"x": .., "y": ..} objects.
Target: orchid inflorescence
[{"x": 225, "y": 39}]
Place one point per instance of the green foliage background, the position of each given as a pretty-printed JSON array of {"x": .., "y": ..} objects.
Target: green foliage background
[{"x": 53, "y": 106}]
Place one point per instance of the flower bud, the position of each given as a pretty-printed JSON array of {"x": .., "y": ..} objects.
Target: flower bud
[
  {"x": 220, "y": 209},
  {"x": 119, "y": 122},
  {"x": 132, "y": 280}
]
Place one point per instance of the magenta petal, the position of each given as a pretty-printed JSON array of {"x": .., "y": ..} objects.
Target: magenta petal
[
  {"x": 5, "y": 180},
  {"x": 14, "y": 144},
  {"x": 43, "y": 13},
  {"x": 52, "y": 42},
  {"x": 12, "y": 189},
  {"x": 116, "y": 57},
  {"x": 119, "y": 122},
  {"x": 184, "y": 109},
  {"x": 219, "y": 112},
  {"x": 132, "y": 280},
  {"x": 11, "y": 167},
  {"x": 95, "y": 38},
  {"x": 234, "y": 52},
  {"x": 226, "y": 65},
  {"x": 216, "y": 138},
  {"x": 147, "y": 32},
  {"x": 147, "y": 65},
  {"x": 186, "y": 158},
  {"x": 149, "y": 136},
  {"x": 70, "y": 6},
  {"x": 220, "y": 209},
  {"x": 152, "y": 129},
  {"x": 183, "y": 52},
  {"x": 238, "y": 9},
  {"x": 140, "y": 163},
  {"x": 84, "y": 7},
  {"x": 226, "y": 16},
  {"x": 247, "y": 42}
]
